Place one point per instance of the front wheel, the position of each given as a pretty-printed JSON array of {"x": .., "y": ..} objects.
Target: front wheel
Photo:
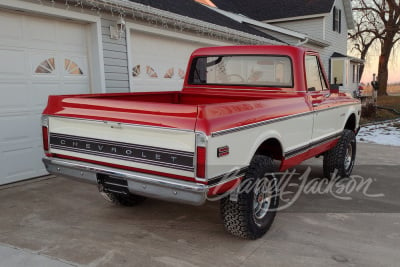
[
  {"x": 252, "y": 214},
  {"x": 340, "y": 159}
]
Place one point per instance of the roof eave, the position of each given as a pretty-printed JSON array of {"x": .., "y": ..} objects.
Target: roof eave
[
  {"x": 348, "y": 14},
  {"x": 318, "y": 42},
  {"x": 302, "y": 37},
  {"x": 243, "y": 19},
  {"x": 314, "y": 16}
]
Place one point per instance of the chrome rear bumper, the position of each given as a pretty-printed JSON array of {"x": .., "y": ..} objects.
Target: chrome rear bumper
[{"x": 148, "y": 185}]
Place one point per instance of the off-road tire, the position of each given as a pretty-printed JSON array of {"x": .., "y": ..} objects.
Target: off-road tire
[
  {"x": 239, "y": 217},
  {"x": 123, "y": 200},
  {"x": 341, "y": 158}
]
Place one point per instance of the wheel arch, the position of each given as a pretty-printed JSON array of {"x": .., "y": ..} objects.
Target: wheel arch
[
  {"x": 270, "y": 147},
  {"x": 351, "y": 123}
]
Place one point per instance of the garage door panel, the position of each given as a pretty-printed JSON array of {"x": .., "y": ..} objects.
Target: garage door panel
[
  {"x": 17, "y": 128},
  {"x": 40, "y": 33},
  {"x": 11, "y": 29},
  {"x": 71, "y": 37},
  {"x": 16, "y": 99},
  {"x": 12, "y": 62},
  {"x": 39, "y": 93},
  {"x": 73, "y": 88},
  {"x": 42, "y": 56},
  {"x": 20, "y": 163}
]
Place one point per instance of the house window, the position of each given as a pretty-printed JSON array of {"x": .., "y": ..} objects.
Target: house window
[
  {"x": 337, "y": 19},
  {"x": 46, "y": 66},
  {"x": 355, "y": 73},
  {"x": 72, "y": 68}
]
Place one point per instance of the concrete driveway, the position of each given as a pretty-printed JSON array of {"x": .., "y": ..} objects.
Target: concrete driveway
[{"x": 59, "y": 222}]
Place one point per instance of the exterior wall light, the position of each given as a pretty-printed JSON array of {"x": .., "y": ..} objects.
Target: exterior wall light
[{"x": 117, "y": 30}]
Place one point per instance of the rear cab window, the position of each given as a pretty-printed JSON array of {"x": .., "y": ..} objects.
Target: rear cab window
[{"x": 253, "y": 70}]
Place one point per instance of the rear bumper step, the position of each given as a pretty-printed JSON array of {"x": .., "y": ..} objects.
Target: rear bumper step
[{"x": 148, "y": 185}]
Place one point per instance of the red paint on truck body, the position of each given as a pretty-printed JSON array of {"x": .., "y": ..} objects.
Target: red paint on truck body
[{"x": 210, "y": 108}]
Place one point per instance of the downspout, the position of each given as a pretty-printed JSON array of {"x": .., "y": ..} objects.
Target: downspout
[{"x": 300, "y": 43}]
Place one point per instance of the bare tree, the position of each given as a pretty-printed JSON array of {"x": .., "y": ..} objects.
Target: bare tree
[
  {"x": 362, "y": 37},
  {"x": 377, "y": 20}
]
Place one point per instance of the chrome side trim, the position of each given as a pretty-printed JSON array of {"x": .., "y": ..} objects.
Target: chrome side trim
[
  {"x": 258, "y": 124},
  {"x": 302, "y": 149},
  {"x": 138, "y": 183}
]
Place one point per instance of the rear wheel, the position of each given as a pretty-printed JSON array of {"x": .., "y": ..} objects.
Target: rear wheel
[
  {"x": 341, "y": 158},
  {"x": 252, "y": 214},
  {"x": 123, "y": 200}
]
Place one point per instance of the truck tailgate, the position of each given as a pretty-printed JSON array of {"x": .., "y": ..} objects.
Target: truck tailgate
[
  {"x": 143, "y": 147},
  {"x": 146, "y": 136}
]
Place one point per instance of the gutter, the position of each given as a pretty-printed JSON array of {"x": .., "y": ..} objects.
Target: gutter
[{"x": 300, "y": 43}]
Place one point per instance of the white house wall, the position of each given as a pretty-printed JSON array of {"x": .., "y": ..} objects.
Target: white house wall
[
  {"x": 337, "y": 40},
  {"x": 320, "y": 28},
  {"x": 312, "y": 27}
]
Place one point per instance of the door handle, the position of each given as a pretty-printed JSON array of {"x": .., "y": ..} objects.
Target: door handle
[{"x": 315, "y": 105}]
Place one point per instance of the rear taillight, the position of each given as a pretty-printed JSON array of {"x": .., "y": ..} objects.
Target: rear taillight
[
  {"x": 201, "y": 162},
  {"x": 201, "y": 155},
  {"x": 45, "y": 133}
]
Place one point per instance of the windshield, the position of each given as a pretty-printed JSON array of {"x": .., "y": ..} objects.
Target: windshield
[{"x": 269, "y": 71}]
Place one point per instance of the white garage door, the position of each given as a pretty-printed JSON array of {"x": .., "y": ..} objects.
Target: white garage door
[
  {"x": 38, "y": 57},
  {"x": 159, "y": 62}
]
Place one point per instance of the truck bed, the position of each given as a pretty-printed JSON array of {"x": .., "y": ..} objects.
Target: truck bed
[
  {"x": 164, "y": 109},
  {"x": 179, "y": 98}
]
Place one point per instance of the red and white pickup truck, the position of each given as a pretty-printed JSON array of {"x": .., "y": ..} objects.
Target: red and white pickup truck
[{"x": 240, "y": 109}]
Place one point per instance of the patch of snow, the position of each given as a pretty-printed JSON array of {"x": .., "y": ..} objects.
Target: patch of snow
[{"x": 385, "y": 133}]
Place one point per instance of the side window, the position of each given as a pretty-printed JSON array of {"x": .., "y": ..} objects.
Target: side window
[
  {"x": 337, "y": 20},
  {"x": 315, "y": 80}
]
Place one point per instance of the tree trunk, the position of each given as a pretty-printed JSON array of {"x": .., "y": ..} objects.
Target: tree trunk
[
  {"x": 382, "y": 75},
  {"x": 363, "y": 56},
  {"x": 383, "y": 72}
]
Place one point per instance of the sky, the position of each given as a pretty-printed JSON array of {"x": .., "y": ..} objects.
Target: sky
[{"x": 371, "y": 67}]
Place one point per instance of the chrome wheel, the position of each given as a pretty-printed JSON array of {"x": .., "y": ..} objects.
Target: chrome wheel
[
  {"x": 349, "y": 156},
  {"x": 261, "y": 203},
  {"x": 263, "y": 196}
]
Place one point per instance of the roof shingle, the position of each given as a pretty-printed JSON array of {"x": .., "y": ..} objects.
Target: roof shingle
[{"x": 192, "y": 9}]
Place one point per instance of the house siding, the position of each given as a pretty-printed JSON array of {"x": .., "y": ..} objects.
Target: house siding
[
  {"x": 115, "y": 59},
  {"x": 337, "y": 40},
  {"x": 283, "y": 37},
  {"x": 321, "y": 28},
  {"x": 313, "y": 27}
]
